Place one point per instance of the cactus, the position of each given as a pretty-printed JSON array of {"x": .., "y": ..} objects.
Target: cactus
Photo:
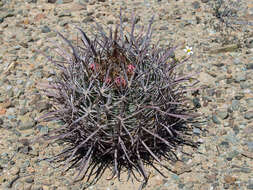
[{"x": 121, "y": 104}]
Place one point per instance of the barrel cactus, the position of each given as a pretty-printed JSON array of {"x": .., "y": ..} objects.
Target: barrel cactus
[{"x": 120, "y": 102}]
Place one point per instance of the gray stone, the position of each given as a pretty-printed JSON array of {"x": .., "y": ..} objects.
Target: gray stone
[
  {"x": 210, "y": 92},
  {"x": 180, "y": 185},
  {"x": 10, "y": 13},
  {"x": 245, "y": 84},
  {"x": 39, "y": 74},
  {"x": 240, "y": 77},
  {"x": 37, "y": 187},
  {"x": 232, "y": 155},
  {"x": 196, "y": 102},
  {"x": 1, "y": 121},
  {"x": 64, "y": 14},
  {"x": 249, "y": 102},
  {"x": 163, "y": 28},
  {"x": 235, "y": 105},
  {"x": 43, "y": 129},
  {"x": 237, "y": 61},
  {"x": 239, "y": 96},
  {"x": 41, "y": 106},
  {"x": 224, "y": 144},
  {"x": 215, "y": 119},
  {"x": 250, "y": 186},
  {"x": 196, "y": 5},
  {"x": 52, "y": 34},
  {"x": 27, "y": 124},
  {"x": 63, "y": 1},
  {"x": 204, "y": 1},
  {"x": 83, "y": 1},
  {"x": 29, "y": 179},
  {"x": 229, "y": 81},
  {"x": 31, "y": 1},
  {"x": 45, "y": 29},
  {"x": 228, "y": 48},
  {"x": 243, "y": 109},
  {"x": 243, "y": 170},
  {"x": 248, "y": 115},
  {"x": 249, "y": 66},
  {"x": 196, "y": 131},
  {"x": 236, "y": 129},
  {"x": 223, "y": 114},
  {"x": 109, "y": 22},
  {"x": 250, "y": 145},
  {"x": 88, "y": 19},
  {"x": 10, "y": 117},
  {"x": 249, "y": 43}
]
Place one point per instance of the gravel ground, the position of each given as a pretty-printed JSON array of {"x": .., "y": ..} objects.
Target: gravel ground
[{"x": 225, "y": 158}]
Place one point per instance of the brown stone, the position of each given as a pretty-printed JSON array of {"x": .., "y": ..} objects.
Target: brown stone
[
  {"x": 26, "y": 21},
  {"x": 180, "y": 168},
  {"x": 229, "y": 179},
  {"x": 77, "y": 7},
  {"x": 5, "y": 104},
  {"x": 73, "y": 7},
  {"x": 211, "y": 177},
  {"x": 2, "y": 111},
  {"x": 39, "y": 16}
]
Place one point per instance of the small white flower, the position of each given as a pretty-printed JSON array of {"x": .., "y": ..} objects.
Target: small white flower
[{"x": 188, "y": 50}]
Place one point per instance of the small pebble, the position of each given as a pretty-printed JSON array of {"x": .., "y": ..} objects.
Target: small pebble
[
  {"x": 240, "y": 77},
  {"x": 223, "y": 114},
  {"x": 249, "y": 66},
  {"x": 196, "y": 131},
  {"x": 196, "y": 102},
  {"x": 250, "y": 146},
  {"x": 45, "y": 29},
  {"x": 248, "y": 115},
  {"x": 235, "y": 105},
  {"x": 232, "y": 154},
  {"x": 250, "y": 186},
  {"x": 196, "y": 5},
  {"x": 215, "y": 119},
  {"x": 204, "y": 1},
  {"x": 29, "y": 179}
]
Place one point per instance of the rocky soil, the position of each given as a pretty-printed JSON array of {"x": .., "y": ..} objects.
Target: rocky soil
[{"x": 224, "y": 160}]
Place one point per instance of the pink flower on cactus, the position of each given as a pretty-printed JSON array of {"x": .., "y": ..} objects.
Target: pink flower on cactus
[
  {"x": 130, "y": 69},
  {"x": 108, "y": 80},
  {"x": 120, "y": 81},
  {"x": 92, "y": 66}
]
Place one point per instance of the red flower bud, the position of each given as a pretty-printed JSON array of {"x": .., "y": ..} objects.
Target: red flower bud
[
  {"x": 108, "y": 80},
  {"x": 120, "y": 81},
  {"x": 130, "y": 69},
  {"x": 92, "y": 66}
]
